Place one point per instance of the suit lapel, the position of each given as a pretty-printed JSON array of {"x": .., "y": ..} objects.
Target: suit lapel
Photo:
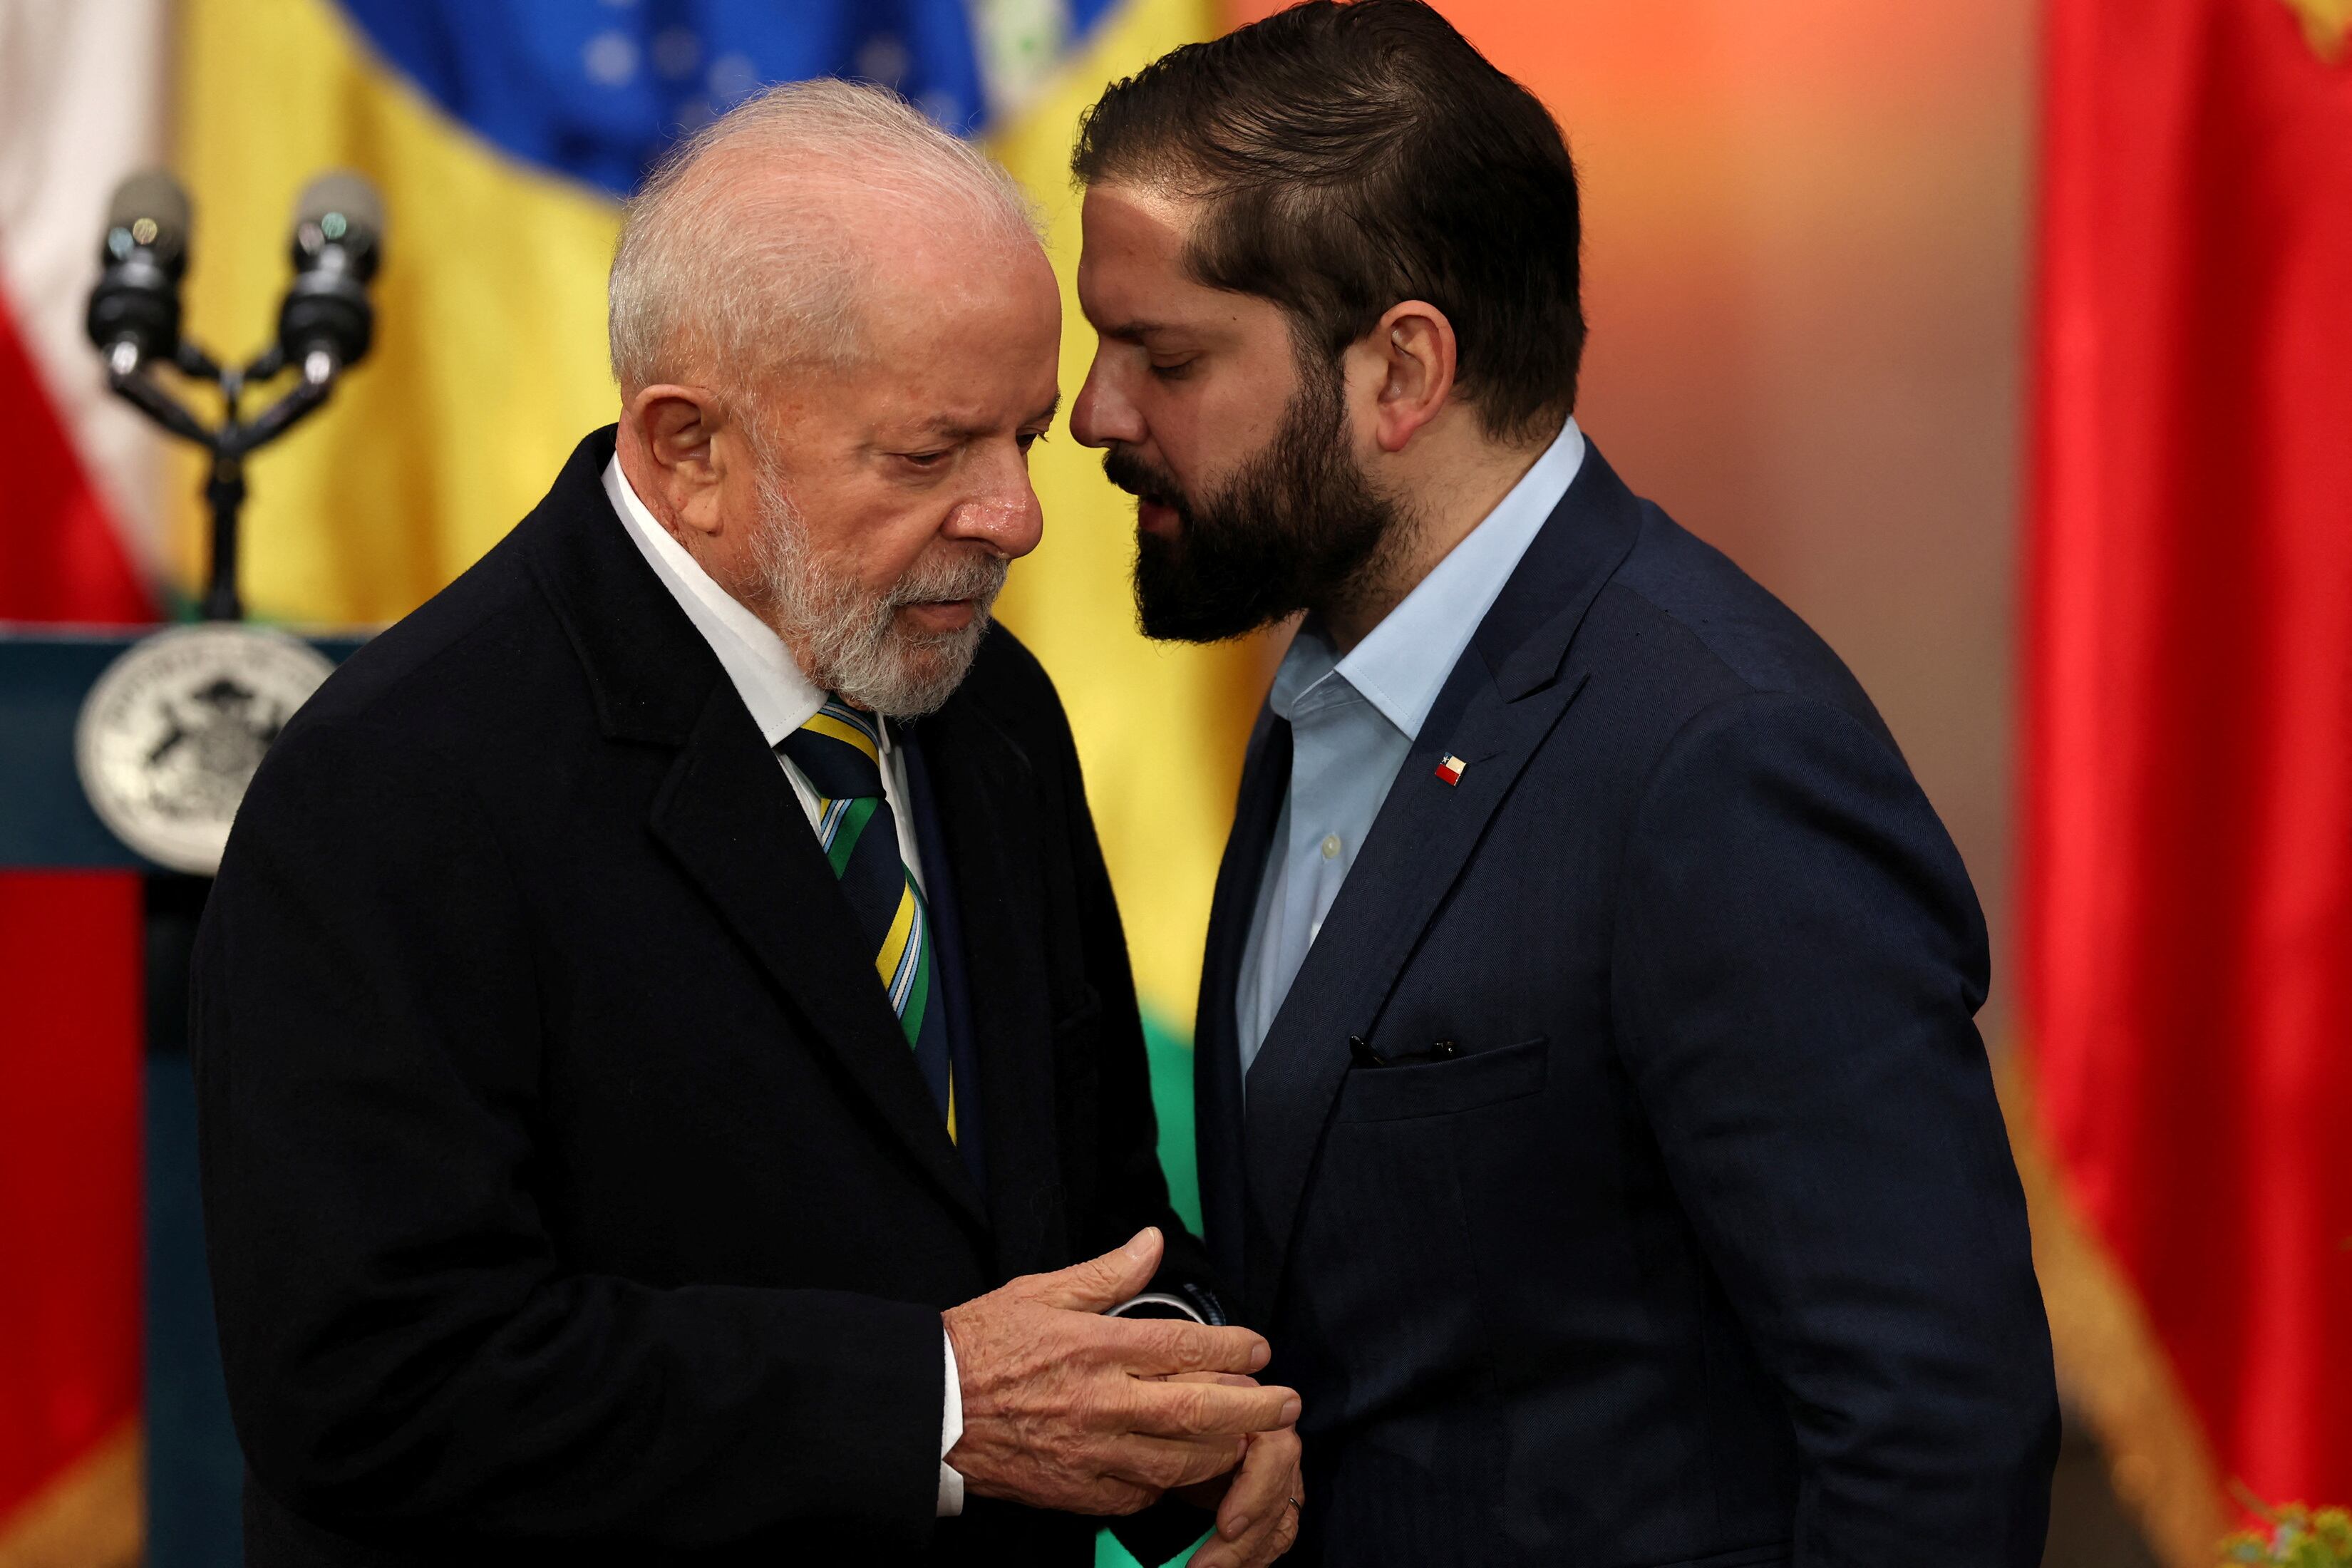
[
  {"x": 1419, "y": 842},
  {"x": 1503, "y": 699},
  {"x": 727, "y": 814},
  {"x": 724, "y": 810},
  {"x": 1216, "y": 1062},
  {"x": 987, "y": 803}
]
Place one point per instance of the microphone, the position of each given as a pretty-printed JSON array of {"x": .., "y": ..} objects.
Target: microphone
[
  {"x": 326, "y": 322},
  {"x": 134, "y": 312}
]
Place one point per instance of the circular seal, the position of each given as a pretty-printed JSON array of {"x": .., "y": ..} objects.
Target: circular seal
[{"x": 171, "y": 734}]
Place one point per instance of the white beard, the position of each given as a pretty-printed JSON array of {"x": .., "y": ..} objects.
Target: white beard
[{"x": 846, "y": 637}]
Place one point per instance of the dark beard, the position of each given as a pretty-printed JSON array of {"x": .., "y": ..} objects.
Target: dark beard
[{"x": 1298, "y": 527}]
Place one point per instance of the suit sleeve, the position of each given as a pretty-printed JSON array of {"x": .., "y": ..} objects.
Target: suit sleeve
[
  {"x": 1799, "y": 959},
  {"x": 405, "y": 1354}
]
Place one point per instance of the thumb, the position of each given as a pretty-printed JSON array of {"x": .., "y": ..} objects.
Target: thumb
[{"x": 1101, "y": 1283}]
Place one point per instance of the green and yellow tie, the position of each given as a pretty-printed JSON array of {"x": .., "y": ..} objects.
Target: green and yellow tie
[{"x": 839, "y": 751}]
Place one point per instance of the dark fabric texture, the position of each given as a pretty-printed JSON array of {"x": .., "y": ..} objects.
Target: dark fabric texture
[
  {"x": 573, "y": 1195},
  {"x": 1680, "y": 1226},
  {"x": 972, "y": 1135}
]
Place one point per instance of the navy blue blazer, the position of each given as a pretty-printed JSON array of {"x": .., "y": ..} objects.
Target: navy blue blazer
[{"x": 1620, "y": 1183}]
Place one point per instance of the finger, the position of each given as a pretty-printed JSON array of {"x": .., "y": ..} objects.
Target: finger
[
  {"x": 1229, "y": 1379},
  {"x": 1099, "y": 1283},
  {"x": 1272, "y": 1538},
  {"x": 1157, "y": 1346},
  {"x": 1265, "y": 1540},
  {"x": 1277, "y": 1533},
  {"x": 1263, "y": 1485},
  {"x": 1165, "y": 1463},
  {"x": 1286, "y": 1536},
  {"x": 1205, "y": 1409}
]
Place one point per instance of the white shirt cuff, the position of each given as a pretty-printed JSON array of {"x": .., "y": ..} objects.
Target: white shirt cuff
[{"x": 950, "y": 1433}]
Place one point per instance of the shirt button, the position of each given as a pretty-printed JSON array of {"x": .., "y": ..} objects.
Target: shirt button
[{"x": 1330, "y": 847}]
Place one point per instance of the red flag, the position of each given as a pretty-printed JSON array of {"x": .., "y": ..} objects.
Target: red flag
[
  {"x": 82, "y": 108},
  {"x": 69, "y": 1169},
  {"x": 2187, "y": 875},
  {"x": 71, "y": 1026},
  {"x": 61, "y": 556}
]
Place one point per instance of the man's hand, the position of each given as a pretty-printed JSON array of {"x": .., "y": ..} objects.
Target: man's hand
[
  {"x": 1256, "y": 1507},
  {"x": 1064, "y": 1408}
]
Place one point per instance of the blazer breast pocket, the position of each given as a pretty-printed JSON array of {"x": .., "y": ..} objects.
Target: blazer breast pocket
[{"x": 1408, "y": 1089}]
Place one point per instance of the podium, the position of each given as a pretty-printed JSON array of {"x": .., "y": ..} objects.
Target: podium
[{"x": 193, "y": 1470}]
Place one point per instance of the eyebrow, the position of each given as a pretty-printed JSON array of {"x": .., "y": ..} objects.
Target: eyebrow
[
  {"x": 954, "y": 430},
  {"x": 1127, "y": 331}
]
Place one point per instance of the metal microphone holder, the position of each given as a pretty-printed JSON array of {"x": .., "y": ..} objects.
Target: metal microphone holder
[{"x": 228, "y": 444}]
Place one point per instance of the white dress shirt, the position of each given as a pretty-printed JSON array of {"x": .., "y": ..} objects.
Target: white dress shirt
[
  {"x": 782, "y": 699},
  {"x": 1353, "y": 720}
]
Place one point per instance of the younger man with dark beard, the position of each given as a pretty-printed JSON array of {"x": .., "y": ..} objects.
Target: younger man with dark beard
[{"x": 1588, "y": 1100}]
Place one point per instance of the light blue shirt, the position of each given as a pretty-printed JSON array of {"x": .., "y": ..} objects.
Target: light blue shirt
[{"x": 1353, "y": 719}]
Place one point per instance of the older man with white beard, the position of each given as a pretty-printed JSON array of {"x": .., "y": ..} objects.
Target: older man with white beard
[{"x": 670, "y": 1080}]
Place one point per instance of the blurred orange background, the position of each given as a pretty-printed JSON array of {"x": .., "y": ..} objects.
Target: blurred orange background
[{"x": 1806, "y": 244}]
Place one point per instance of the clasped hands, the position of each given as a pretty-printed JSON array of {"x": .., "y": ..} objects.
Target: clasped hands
[{"x": 1065, "y": 1408}]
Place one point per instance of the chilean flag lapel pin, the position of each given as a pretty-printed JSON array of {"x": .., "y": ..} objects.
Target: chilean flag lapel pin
[{"x": 1450, "y": 770}]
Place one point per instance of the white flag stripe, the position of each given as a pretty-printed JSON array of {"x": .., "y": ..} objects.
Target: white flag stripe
[{"x": 82, "y": 92}]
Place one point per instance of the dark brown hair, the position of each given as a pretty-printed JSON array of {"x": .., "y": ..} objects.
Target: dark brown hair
[{"x": 1353, "y": 156}]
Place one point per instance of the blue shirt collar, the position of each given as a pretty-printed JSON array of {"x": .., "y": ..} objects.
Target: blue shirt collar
[{"x": 1402, "y": 665}]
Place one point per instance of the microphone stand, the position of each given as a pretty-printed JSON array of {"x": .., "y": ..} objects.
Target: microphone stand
[{"x": 228, "y": 444}]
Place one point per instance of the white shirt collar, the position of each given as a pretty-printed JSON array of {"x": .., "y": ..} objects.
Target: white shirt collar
[
  {"x": 769, "y": 680},
  {"x": 1402, "y": 665}
]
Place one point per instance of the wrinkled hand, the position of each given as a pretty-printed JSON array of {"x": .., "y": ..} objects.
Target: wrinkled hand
[
  {"x": 1064, "y": 1408},
  {"x": 1256, "y": 1507}
]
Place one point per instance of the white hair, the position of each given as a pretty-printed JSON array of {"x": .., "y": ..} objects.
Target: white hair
[{"x": 723, "y": 278}]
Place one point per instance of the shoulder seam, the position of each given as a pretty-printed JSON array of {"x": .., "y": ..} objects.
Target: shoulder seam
[
  {"x": 1620, "y": 585},
  {"x": 447, "y": 648}
]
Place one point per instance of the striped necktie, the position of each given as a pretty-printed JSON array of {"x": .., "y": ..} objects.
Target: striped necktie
[{"x": 839, "y": 751}]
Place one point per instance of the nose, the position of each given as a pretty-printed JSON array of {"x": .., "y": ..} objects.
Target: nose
[
  {"x": 1103, "y": 413},
  {"x": 1003, "y": 511}
]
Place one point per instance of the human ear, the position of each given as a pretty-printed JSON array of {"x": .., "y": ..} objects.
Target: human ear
[
  {"x": 677, "y": 428},
  {"x": 1415, "y": 349}
]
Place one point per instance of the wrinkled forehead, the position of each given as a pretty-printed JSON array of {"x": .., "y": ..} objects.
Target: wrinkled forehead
[
  {"x": 928, "y": 290},
  {"x": 953, "y": 338},
  {"x": 885, "y": 225}
]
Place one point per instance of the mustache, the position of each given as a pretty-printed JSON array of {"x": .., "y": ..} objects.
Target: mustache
[
  {"x": 978, "y": 574},
  {"x": 1130, "y": 472}
]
